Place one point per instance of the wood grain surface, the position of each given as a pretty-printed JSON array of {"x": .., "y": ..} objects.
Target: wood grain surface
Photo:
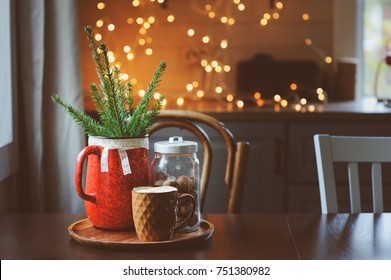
[{"x": 242, "y": 236}]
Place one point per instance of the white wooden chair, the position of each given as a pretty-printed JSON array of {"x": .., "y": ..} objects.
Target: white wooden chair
[{"x": 350, "y": 149}]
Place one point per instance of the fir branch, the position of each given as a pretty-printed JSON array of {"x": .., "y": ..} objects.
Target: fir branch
[
  {"x": 96, "y": 55},
  {"x": 135, "y": 125},
  {"x": 101, "y": 105},
  {"x": 114, "y": 101},
  {"x": 88, "y": 124},
  {"x": 152, "y": 114},
  {"x": 129, "y": 98},
  {"x": 112, "y": 93}
]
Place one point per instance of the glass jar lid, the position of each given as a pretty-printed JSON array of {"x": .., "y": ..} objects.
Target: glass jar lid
[{"x": 176, "y": 145}]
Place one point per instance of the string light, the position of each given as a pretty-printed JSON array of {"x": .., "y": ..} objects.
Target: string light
[
  {"x": 98, "y": 37},
  {"x": 200, "y": 93},
  {"x": 99, "y": 23},
  {"x": 213, "y": 66},
  {"x": 257, "y": 95},
  {"x": 171, "y": 18},
  {"x": 111, "y": 27},
  {"x": 190, "y": 32},
  {"x": 180, "y": 101},
  {"x": 101, "y": 5}
]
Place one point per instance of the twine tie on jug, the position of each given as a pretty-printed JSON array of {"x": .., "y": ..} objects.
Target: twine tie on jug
[{"x": 122, "y": 145}]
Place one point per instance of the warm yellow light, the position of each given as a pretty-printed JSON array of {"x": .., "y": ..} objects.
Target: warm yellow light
[
  {"x": 319, "y": 90},
  {"x": 208, "y": 7},
  {"x": 205, "y": 39},
  {"x": 224, "y": 44},
  {"x": 127, "y": 48},
  {"x": 308, "y": 42},
  {"x": 211, "y": 14},
  {"x": 141, "y": 42},
  {"x": 148, "y": 51},
  {"x": 277, "y": 98},
  {"x": 224, "y": 19},
  {"x": 208, "y": 68},
  {"x": 160, "y": 1},
  {"x": 284, "y": 103},
  {"x": 227, "y": 68},
  {"x": 231, "y": 21},
  {"x": 130, "y": 56},
  {"x": 111, "y": 27},
  {"x": 111, "y": 57},
  {"x": 156, "y": 95},
  {"x": 136, "y": 3},
  {"x": 141, "y": 92},
  {"x": 101, "y": 5},
  {"x": 260, "y": 102},
  {"x": 237, "y": 2},
  {"x": 204, "y": 62},
  {"x": 311, "y": 108},
  {"x": 218, "y": 69},
  {"x": 241, "y": 7},
  {"x": 99, "y": 23},
  {"x": 151, "y": 19},
  {"x": 200, "y": 93},
  {"x": 189, "y": 87},
  {"x": 129, "y": 20},
  {"x": 328, "y": 59},
  {"x": 140, "y": 20},
  {"x": 298, "y": 107},
  {"x": 266, "y": 16},
  {"x": 171, "y": 18},
  {"x": 133, "y": 81},
  {"x": 214, "y": 63},
  {"x": 293, "y": 86},
  {"x": 263, "y": 22},
  {"x": 230, "y": 97},
  {"x": 303, "y": 101},
  {"x": 190, "y": 32},
  {"x": 124, "y": 77},
  {"x": 98, "y": 37},
  {"x": 195, "y": 84},
  {"x": 146, "y": 25},
  {"x": 257, "y": 95},
  {"x": 279, "y": 5},
  {"x": 218, "y": 89},
  {"x": 180, "y": 101},
  {"x": 321, "y": 97},
  {"x": 142, "y": 31},
  {"x": 276, "y": 15},
  {"x": 305, "y": 16},
  {"x": 240, "y": 104},
  {"x": 164, "y": 102}
]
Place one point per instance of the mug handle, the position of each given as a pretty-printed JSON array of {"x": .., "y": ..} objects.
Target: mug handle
[
  {"x": 193, "y": 202},
  {"x": 79, "y": 171}
]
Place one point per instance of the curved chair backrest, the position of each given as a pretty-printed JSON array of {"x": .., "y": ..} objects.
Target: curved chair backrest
[
  {"x": 237, "y": 152},
  {"x": 351, "y": 149}
]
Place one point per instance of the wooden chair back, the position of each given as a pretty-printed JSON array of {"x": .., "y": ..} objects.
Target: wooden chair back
[
  {"x": 350, "y": 149},
  {"x": 237, "y": 152}
]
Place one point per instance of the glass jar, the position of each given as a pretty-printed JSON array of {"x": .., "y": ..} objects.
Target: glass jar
[{"x": 175, "y": 163}]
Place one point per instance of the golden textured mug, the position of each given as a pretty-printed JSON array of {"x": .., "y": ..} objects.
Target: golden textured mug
[{"x": 155, "y": 212}]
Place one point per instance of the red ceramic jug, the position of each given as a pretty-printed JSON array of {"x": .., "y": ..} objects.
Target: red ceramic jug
[{"x": 115, "y": 166}]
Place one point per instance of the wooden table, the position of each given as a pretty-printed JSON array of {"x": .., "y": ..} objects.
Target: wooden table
[{"x": 247, "y": 236}]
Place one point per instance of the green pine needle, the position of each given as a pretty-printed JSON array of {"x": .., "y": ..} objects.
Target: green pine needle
[{"x": 114, "y": 101}]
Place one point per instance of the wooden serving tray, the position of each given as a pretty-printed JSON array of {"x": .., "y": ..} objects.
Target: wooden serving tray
[{"x": 84, "y": 233}]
